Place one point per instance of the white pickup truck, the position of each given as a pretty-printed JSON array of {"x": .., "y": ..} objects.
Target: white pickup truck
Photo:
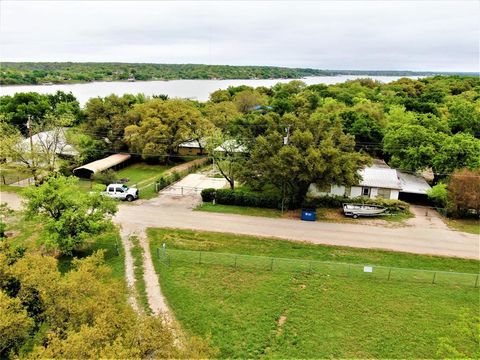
[{"x": 121, "y": 192}]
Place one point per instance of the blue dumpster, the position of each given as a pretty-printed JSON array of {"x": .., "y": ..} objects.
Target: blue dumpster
[{"x": 309, "y": 214}]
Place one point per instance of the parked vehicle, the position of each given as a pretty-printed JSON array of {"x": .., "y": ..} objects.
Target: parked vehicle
[
  {"x": 121, "y": 192},
  {"x": 356, "y": 210}
]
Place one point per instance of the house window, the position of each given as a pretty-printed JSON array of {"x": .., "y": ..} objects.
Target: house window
[
  {"x": 384, "y": 193},
  {"x": 366, "y": 191}
]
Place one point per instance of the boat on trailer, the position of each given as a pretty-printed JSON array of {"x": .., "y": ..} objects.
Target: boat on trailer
[{"x": 356, "y": 210}]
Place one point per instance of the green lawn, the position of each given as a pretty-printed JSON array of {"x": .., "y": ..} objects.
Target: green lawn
[
  {"x": 143, "y": 176},
  {"x": 241, "y": 210},
  {"x": 323, "y": 214},
  {"x": 259, "y": 313},
  {"x": 471, "y": 226}
]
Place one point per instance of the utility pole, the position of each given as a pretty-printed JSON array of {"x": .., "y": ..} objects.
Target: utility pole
[
  {"x": 32, "y": 155},
  {"x": 285, "y": 142}
]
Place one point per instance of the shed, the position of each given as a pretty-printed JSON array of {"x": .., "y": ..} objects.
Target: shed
[{"x": 86, "y": 171}]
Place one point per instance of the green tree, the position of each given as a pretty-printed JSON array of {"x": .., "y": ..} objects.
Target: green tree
[
  {"x": 455, "y": 152},
  {"x": 80, "y": 314},
  {"x": 69, "y": 216},
  {"x": 15, "y": 325},
  {"x": 162, "y": 126},
  {"x": 246, "y": 100},
  {"x": 464, "y": 116},
  {"x": 106, "y": 118},
  {"x": 316, "y": 151}
]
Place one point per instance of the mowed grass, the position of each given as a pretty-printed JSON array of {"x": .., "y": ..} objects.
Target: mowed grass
[
  {"x": 240, "y": 210},
  {"x": 143, "y": 176},
  {"x": 259, "y": 313},
  {"x": 471, "y": 226},
  {"x": 323, "y": 214}
]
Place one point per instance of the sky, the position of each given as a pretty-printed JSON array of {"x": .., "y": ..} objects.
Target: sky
[{"x": 439, "y": 35}]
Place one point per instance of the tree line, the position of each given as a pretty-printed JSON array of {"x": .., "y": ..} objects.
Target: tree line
[{"x": 32, "y": 73}]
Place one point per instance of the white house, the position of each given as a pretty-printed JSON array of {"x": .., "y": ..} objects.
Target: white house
[{"x": 382, "y": 182}]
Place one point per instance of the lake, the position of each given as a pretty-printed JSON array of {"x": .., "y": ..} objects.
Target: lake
[{"x": 192, "y": 89}]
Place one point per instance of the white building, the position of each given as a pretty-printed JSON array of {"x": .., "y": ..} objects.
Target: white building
[{"x": 382, "y": 182}]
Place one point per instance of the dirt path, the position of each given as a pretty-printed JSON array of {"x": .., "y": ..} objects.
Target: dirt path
[
  {"x": 156, "y": 300},
  {"x": 129, "y": 268}
]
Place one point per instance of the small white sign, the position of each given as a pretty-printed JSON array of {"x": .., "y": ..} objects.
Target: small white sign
[{"x": 368, "y": 269}]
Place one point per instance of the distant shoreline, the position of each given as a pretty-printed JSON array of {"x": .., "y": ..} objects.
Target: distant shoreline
[
  {"x": 69, "y": 73},
  {"x": 214, "y": 79}
]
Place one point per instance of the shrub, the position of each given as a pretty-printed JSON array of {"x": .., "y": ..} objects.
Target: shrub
[
  {"x": 105, "y": 177},
  {"x": 248, "y": 198},
  {"x": 439, "y": 195},
  {"x": 208, "y": 195}
]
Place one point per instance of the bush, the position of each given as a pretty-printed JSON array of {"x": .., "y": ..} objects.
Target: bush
[
  {"x": 393, "y": 206},
  {"x": 439, "y": 195},
  {"x": 243, "y": 198},
  {"x": 208, "y": 195},
  {"x": 105, "y": 177}
]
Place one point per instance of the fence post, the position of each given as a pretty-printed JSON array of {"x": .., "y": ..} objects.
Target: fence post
[
  {"x": 182, "y": 190},
  {"x": 199, "y": 257},
  {"x": 476, "y": 281},
  {"x": 434, "y": 276},
  {"x": 271, "y": 265},
  {"x": 310, "y": 269},
  {"x": 158, "y": 253},
  {"x": 235, "y": 262},
  {"x": 389, "y": 273}
]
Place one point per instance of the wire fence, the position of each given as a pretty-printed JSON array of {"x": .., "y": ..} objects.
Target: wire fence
[{"x": 173, "y": 257}]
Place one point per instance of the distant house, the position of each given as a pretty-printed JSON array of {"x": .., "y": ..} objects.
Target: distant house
[
  {"x": 53, "y": 141},
  {"x": 377, "y": 181},
  {"x": 191, "y": 147}
]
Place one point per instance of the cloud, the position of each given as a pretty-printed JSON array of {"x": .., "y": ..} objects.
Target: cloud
[{"x": 414, "y": 35}]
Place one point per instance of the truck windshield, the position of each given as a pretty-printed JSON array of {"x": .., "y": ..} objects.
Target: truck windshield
[{"x": 125, "y": 187}]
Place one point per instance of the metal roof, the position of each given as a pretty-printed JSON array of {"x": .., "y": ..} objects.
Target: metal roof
[
  {"x": 412, "y": 183},
  {"x": 48, "y": 139},
  {"x": 100, "y": 165},
  {"x": 192, "y": 144},
  {"x": 379, "y": 177}
]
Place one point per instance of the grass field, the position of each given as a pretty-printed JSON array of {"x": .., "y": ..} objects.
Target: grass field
[{"x": 259, "y": 313}]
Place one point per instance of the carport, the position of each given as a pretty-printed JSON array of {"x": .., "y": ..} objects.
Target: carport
[
  {"x": 112, "y": 161},
  {"x": 414, "y": 189}
]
